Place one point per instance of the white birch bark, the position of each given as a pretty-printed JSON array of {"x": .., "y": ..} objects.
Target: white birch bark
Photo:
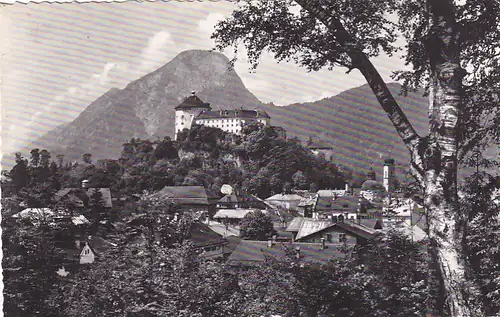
[{"x": 434, "y": 159}]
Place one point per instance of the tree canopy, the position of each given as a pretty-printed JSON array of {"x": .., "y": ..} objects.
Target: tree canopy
[{"x": 451, "y": 49}]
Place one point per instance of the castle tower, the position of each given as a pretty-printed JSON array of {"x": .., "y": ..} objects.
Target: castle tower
[
  {"x": 189, "y": 109},
  {"x": 389, "y": 180}
]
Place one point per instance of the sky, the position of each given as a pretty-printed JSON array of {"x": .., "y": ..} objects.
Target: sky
[{"x": 55, "y": 59}]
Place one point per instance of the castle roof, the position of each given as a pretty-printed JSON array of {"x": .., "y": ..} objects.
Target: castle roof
[
  {"x": 193, "y": 102},
  {"x": 236, "y": 113}
]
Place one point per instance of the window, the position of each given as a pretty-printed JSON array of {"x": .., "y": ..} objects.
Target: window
[
  {"x": 328, "y": 237},
  {"x": 342, "y": 238}
]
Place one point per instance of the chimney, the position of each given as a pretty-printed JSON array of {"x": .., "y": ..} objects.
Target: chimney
[
  {"x": 347, "y": 188},
  {"x": 269, "y": 243},
  {"x": 85, "y": 183},
  {"x": 323, "y": 246},
  {"x": 297, "y": 252}
]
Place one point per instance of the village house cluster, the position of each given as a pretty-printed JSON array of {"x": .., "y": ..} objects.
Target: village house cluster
[{"x": 315, "y": 226}]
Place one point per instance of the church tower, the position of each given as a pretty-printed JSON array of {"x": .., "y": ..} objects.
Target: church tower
[
  {"x": 389, "y": 180},
  {"x": 185, "y": 113}
]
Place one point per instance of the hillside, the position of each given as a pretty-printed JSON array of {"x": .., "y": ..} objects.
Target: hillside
[
  {"x": 352, "y": 122},
  {"x": 145, "y": 108},
  {"x": 355, "y": 125}
]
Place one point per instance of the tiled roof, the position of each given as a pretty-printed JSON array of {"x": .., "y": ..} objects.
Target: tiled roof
[
  {"x": 253, "y": 252},
  {"x": 310, "y": 226},
  {"x": 359, "y": 230},
  {"x": 184, "y": 195},
  {"x": 193, "y": 102},
  {"x": 295, "y": 224},
  {"x": 237, "y": 113},
  {"x": 307, "y": 226},
  {"x": 232, "y": 213}
]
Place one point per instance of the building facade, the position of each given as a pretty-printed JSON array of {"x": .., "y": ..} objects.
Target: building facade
[
  {"x": 232, "y": 121},
  {"x": 185, "y": 113},
  {"x": 194, "y": 111}
]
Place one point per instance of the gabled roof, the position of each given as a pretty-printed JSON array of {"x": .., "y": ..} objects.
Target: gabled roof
[
  {"x": 240, "y": 197},
  {"x": 82, "y": 195},
  {"x": 307, "y": 226},
  {"x": 233, "y": 213},
  {"x": 310, "y": 226},
  {"x": 193, "y": 102},
  {"x": 202, "y": 235},
  {"x": 184, "y": 195},
  {"x": 237, "y": 113},
  {"x": 34, "y": 214},
  {"x": 331, "y": 192},
  {"x": 349, "y": 204},
  {"x": 285, "y": 197},
  {"x": 295, "y": 224},
  {"x": 254, "y": 252},
  {"x": 309, "y": 201}
]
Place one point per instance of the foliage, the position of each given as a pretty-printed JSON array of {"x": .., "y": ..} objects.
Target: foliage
[
  {"x": 256, "y": 225},
  {"x": 483, "y": 237}
]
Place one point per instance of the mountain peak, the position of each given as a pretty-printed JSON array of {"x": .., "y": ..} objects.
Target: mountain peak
[{"x": 146, "y": 107}]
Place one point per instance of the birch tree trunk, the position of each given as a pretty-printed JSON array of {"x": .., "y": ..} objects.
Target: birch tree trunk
[
  {"x": 440, "y": 155},
  {"x": 433, "y": 158}
]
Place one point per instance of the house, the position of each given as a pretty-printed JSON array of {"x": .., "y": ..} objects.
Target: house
[
  {"x": 250, "y": 253},
  {"x": 210, "y": 244},
  {"x": 87, "y": 255},
  {"x": 237, "y": 200},
  {"x": 318, "y": 147},
  {"x": 193, "y": 199},
  {"x": 79, "y": 198},
  {"x": 285, "y": 201},
  {"x": 36, "y": 215},
  {"x": 232, "y": 217},
  {"x": 332, "y": 231},
  {"x": 307, "y": 205}
]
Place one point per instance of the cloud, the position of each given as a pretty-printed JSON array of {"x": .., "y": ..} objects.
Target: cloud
[
  {"x": 156, "y": 53},
  {"x": 207, "y": 25},
  {"x": 103, "y": 77}
]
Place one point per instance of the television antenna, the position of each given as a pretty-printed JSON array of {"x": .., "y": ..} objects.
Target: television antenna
[{"x": 226, "y": 189}]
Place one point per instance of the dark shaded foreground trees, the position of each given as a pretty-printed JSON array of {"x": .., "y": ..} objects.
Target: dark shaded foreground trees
[{"x": 443, "y": 38}]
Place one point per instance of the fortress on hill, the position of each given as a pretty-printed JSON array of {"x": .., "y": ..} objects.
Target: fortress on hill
[{"x": 193, "y": 109}]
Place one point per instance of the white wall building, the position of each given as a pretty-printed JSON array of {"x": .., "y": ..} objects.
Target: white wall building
[
  {"x": 185, "y": 113},
  {"x": 193, "y": 110},
  {"x": 232, "y": 121}
]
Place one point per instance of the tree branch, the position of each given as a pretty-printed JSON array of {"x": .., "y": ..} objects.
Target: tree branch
[{"x": 360, "y": 61}]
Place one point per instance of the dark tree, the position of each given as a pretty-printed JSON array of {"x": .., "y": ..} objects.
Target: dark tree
[
  {"x": 444, "y": 37},
  {"x": 256, "y": 226}
]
